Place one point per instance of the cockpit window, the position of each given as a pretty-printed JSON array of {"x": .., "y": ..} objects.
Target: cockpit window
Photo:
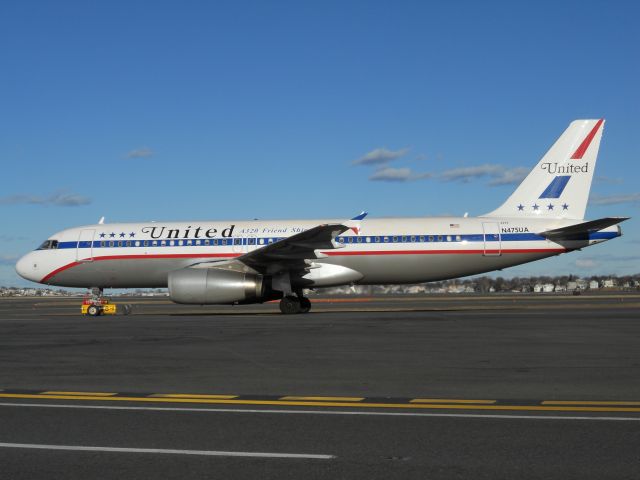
[{"x": 49, "y": 245}]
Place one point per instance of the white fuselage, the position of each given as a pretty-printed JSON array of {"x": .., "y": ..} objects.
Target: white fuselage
[{"x": 383, "y": 251}]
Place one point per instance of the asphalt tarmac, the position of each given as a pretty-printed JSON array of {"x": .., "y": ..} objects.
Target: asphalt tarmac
[{"x": 503, "y": 386}]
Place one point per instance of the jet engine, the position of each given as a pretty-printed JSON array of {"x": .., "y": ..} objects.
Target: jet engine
[{"x": 214, "y": 286}]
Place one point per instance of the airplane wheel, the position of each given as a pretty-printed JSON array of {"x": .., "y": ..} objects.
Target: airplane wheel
[
  {"x": 93, "y": 310},
  {"x": 290, "y": 305},
  {"x": 305, "y": 305}
]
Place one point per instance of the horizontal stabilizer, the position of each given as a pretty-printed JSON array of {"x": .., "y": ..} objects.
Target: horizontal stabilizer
[{"x": 582, "y": 228}]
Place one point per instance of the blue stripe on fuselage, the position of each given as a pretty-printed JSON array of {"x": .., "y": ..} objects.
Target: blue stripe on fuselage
[{"x": 348, "y": 240}]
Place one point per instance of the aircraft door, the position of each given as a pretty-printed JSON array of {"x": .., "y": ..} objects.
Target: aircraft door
[
  {"x": 492, "y": 240},
  {"x": 84, "y": 249}
]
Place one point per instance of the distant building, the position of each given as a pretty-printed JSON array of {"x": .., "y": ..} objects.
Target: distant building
[
  {"x": 548, "y": 287},
  {"x": 594, "y": 285},
  {"x": 609, "y": 283}
]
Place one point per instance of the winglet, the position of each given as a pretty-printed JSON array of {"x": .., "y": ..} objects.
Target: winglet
[{"x": 360, "y": 216}]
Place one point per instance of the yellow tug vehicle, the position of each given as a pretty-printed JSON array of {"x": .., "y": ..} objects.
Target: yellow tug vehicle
[{"x": 95, "y": 307}]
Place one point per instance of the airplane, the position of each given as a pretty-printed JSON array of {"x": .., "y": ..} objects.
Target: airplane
[{"x": 244, "y": 262}]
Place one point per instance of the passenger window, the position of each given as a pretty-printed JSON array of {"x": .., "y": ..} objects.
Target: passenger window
[
  {"x": 207, "y": 243},
  {"x": 252, "y": 241},
  {"x": 458, "y": 238},
  {"x": 431, "y": 238},
  {"x": 439, "y": 238},
  {"x": 422, "y": 238}
]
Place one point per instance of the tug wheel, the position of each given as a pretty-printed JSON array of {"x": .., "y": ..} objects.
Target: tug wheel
[{"x": 93, "y": 310}]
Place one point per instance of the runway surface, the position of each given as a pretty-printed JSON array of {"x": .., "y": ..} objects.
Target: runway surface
[{"x": 431, "y": 387}]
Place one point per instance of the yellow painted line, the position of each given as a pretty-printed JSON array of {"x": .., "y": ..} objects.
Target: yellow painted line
[
  {"x": 588, "y": 402},
  {"x": 93, "y": 394},
  {"x": 451, "y": 400},
  {"x": 187, "y": 395},
  {"x": 323, "y": 399},
  {"x": 412, "y": 406}
]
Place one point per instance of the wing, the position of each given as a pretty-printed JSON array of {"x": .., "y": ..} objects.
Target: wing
[
  {"x": 291, "y": 252},
  {"x": 581, "y": 229}
]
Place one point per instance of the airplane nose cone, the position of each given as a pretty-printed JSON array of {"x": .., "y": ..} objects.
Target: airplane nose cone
[{"x": 27, "y": 268}]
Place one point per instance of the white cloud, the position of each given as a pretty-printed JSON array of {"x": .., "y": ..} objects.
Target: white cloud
[
  {"x": 143, "y": 152},
  {"x": 465, "y": 174},
  {"x": 59, "y": 199},
  {"x": 510, "y": 176},
  {"x": 614, "y": 199},
  {"x": 389, "y": 174},
  {"x": 380, "y": 156},
  {"x": 586, "y": 263}
]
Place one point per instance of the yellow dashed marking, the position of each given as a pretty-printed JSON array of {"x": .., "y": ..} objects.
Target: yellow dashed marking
[
  {"x": 324, "y": 399},
  {"x": 188, "y": 395},
  {"x": 412, "y": 406},
  {"x": 588, "y": 402},
  {"x": 451, "y": 400},
  {"x": 93, "y": 394}
]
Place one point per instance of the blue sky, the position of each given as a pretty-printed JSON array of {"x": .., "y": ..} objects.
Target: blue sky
[{"x": 217, "y": 110}]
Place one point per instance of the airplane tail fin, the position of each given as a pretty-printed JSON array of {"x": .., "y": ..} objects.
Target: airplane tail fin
[{"x": 558, "y": 186}]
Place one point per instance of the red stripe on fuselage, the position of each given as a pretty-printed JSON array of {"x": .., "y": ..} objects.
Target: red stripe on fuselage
[
  {"x": 139, "y": 257},
  {"x": 582, "y": 149},
  {"x": 331, "y": 253}
]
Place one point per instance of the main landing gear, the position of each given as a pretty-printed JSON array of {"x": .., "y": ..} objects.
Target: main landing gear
[{"x": 291, "y": 304}]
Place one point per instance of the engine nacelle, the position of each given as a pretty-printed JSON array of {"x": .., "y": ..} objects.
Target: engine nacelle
[{"x": 214, "y": 286}]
